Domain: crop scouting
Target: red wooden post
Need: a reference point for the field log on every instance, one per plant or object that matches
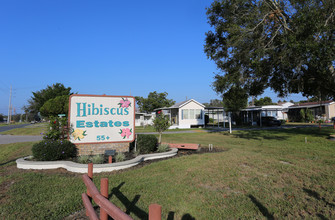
(155, 212)
(90, 170)
(90, 175)
(110, 158)
(104, 193)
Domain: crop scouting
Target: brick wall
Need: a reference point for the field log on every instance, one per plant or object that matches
(93, 149)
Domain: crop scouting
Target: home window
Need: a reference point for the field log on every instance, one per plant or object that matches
(191, 114)
(185, 114)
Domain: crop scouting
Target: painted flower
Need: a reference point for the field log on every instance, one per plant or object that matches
(78, 134)
(124, 103)
(126, 132)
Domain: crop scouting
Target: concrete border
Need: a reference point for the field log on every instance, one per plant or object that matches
(22, 163)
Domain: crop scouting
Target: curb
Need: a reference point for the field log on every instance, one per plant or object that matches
(22, 163)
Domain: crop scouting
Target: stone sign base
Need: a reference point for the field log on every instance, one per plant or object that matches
(94, 149)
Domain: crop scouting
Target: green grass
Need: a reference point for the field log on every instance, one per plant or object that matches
(147, 129)
(261, 174)
(34, 129)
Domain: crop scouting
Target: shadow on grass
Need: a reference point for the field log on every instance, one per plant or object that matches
(316, 195)
(130, 205)
(281, 134)
(9, 161)
(132, 208)
(261, 207)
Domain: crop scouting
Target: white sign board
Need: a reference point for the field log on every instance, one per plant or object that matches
(101, 119)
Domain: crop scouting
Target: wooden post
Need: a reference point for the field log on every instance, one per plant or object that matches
(104, 193)
(155, 212)
(90, 170)
(90, 175)
(110, 159)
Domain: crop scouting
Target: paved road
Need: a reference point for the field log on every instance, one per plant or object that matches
(10, 127)
(8, 139)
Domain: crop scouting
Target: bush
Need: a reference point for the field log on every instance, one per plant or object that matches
(120, 157)
(163, 148)
(53, 150)
(146, 143)
(98, 159)
(83, 159)
(282, 121)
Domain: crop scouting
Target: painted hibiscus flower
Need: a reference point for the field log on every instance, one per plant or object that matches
(78, 134)
(126, 132)
(124, 103)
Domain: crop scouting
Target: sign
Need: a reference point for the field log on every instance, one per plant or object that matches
(101, 119)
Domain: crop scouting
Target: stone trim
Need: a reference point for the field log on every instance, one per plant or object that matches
(22, 163)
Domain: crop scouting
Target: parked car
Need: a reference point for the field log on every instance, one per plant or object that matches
(333, 119)
(269, 121)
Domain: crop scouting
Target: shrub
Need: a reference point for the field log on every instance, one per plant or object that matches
(163, 148)
(54, 150)
(83, 159)
(146, 143)
(120, 157)
(283, 122)
(98, 159)
(57, 129)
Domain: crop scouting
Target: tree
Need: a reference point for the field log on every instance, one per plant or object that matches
(161, 123)
(55, 106)
(214, 103)
(40, 97)
(1, 118)
(234, 100)
(285, 45)
(155, 100)
(264, 101)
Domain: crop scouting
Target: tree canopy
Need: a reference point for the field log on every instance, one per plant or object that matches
(39, 98)
(155, 100)
(287, 45)
(55, 106)
(214, 103)
(263, 101)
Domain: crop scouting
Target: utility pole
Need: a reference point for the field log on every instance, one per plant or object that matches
(9, 106)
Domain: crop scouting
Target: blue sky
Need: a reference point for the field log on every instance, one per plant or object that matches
(106, 47)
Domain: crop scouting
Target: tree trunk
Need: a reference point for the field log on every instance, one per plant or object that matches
(160, 138)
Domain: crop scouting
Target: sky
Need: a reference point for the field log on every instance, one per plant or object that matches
(106, 47)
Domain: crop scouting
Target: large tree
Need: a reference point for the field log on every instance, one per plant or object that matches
(264, 101)
(155, 100)
(39, 98)
(285, 45)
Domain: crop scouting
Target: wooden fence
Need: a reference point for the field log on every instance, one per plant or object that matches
(106, 207)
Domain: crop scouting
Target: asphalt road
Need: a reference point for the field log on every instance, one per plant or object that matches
(10, 127)
(8, 139)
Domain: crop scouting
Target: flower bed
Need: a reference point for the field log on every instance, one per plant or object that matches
(25, 163)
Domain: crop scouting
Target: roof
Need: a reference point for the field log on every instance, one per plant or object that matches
(265, 107)
(181, 104)
(312, 104)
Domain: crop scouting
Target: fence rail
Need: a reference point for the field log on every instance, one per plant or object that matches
(106, 207)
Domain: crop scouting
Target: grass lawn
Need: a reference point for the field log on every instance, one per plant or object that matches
(261, 174)
(140, 129)
(34, 129)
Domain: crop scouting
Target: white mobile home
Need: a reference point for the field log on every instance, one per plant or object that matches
(186, 114)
